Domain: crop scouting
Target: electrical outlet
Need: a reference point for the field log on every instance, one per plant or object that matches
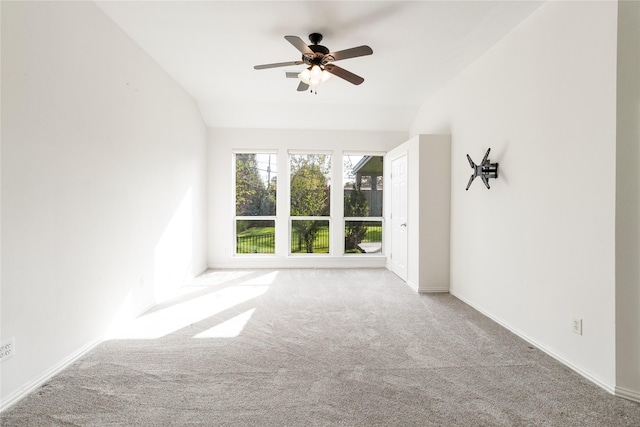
(577, 326)
(7, 349)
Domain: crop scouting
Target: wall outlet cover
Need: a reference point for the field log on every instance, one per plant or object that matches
(577, 326)
(7, 349)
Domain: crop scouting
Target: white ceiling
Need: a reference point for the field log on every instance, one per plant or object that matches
(210, 48)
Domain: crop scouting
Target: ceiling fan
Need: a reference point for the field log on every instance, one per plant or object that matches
(320, 62)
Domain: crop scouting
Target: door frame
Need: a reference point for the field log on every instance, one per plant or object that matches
(389, 159)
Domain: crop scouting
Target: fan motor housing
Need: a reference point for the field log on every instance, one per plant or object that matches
(320, 55)
(319, 49)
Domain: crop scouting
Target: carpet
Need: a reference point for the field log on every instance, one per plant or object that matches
(312, 347)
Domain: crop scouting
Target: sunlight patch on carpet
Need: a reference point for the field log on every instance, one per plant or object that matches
(229, 329)
(163, 322)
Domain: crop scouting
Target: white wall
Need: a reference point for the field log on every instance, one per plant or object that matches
(103, 184)
(628, 202)
(223, 142)
(538, 248)
(428, 210)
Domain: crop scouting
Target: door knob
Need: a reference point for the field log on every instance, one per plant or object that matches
(403, 225)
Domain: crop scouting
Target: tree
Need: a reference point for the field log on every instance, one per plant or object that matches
(255, 194)
(309, 192)
(269, 203)
(249, 185)
(355, 205)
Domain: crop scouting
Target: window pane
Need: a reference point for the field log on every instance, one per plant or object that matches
(362, 186)
(255, 184)
(255, 237)
(309, 236)
(363, 237)
(310, 184)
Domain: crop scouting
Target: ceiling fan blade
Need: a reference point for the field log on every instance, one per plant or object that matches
(343, 74)
(302, 87)
(299, 44)
(277, 64)
(351, 53)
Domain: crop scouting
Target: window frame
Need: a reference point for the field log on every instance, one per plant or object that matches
(346, 219)
(329, 218)
(236, 218)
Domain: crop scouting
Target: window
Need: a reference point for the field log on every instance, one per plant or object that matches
(255, 182)
(362, 176)
(310, 203)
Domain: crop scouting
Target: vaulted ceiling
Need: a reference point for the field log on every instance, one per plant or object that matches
(210, 48)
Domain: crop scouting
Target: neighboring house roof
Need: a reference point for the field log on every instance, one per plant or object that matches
(369, 164)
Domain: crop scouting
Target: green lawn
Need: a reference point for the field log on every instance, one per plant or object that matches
(261, 240)
(256, 231)
(256, 240)
(374, 233)
(320, 244)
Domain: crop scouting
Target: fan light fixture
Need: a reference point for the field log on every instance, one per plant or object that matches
(314, 76)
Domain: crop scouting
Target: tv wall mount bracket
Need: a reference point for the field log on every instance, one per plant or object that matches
(484, 170)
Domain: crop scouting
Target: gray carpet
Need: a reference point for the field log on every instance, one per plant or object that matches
(321, 347)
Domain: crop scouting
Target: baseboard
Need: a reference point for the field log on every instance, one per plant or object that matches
(412, 285)
(420, 290)
(144, 309)
(23, 391)
(301, 261)
(433, 290)
(628, 394)
(609, 388)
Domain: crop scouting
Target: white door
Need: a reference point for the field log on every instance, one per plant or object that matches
(399, 217)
